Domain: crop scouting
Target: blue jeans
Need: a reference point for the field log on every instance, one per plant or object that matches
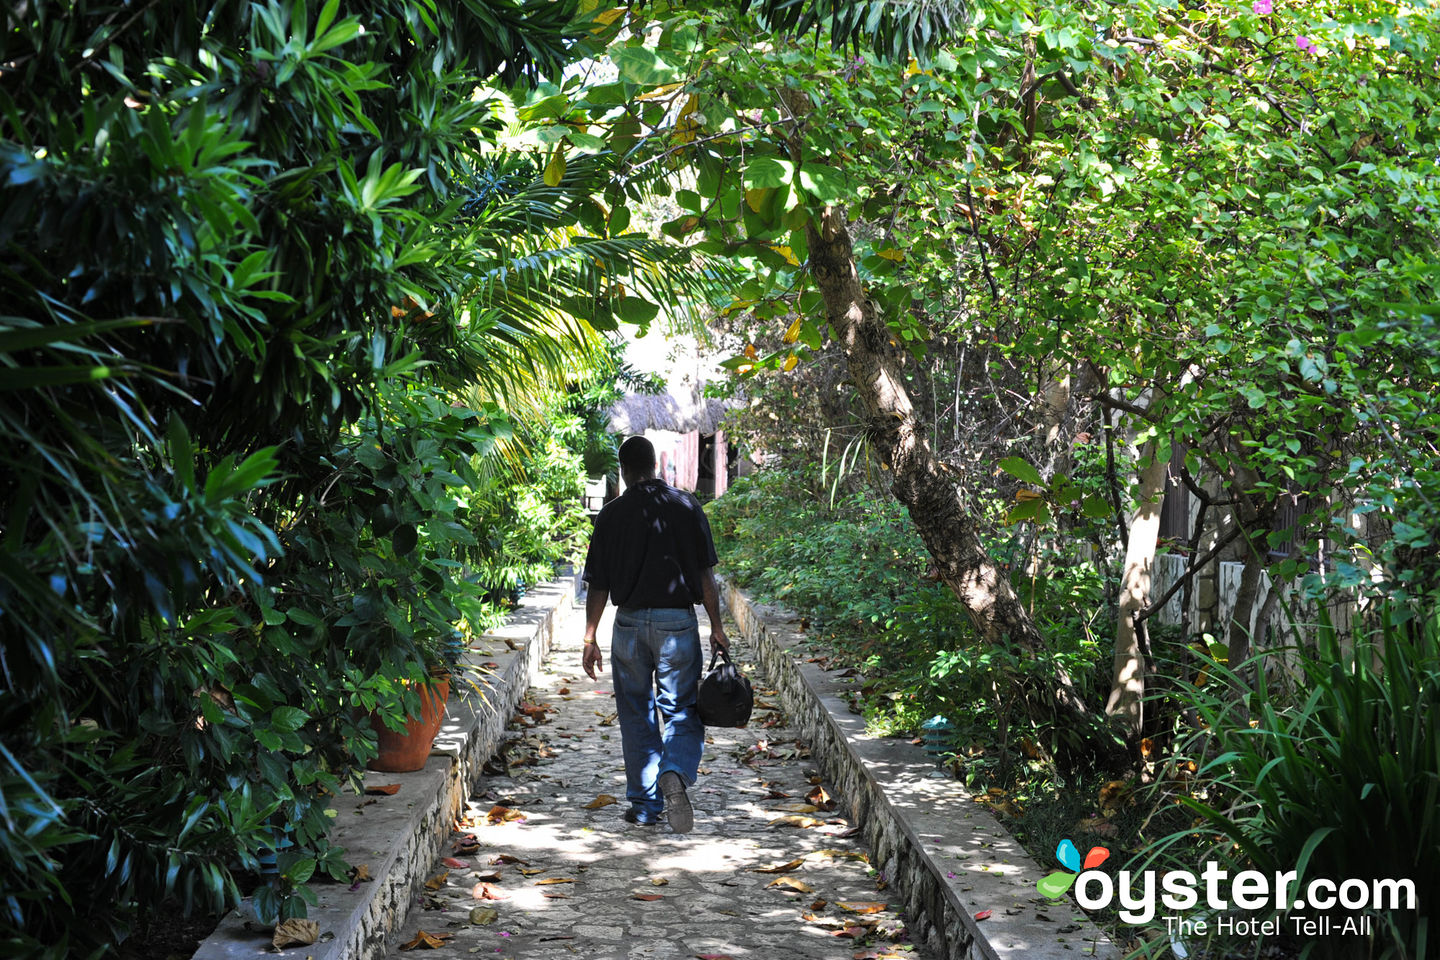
(655, 663)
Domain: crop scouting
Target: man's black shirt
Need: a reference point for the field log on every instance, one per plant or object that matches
(650, 546)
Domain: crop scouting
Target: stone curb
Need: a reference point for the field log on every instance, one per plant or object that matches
(948, 856)
(400, 841)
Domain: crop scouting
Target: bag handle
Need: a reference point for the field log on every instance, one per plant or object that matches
(719, 652)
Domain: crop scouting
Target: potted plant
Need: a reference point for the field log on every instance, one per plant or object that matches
(406, 750)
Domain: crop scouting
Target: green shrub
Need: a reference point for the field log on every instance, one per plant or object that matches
(856, 573)
(1339, 780)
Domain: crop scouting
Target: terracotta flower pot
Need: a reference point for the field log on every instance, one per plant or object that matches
(408, 750)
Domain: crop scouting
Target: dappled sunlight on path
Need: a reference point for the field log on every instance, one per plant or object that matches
(543, 864)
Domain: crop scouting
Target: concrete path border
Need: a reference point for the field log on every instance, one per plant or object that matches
(947, 855)
(399, 841)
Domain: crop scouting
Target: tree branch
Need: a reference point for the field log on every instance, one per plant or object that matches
(1190, 571)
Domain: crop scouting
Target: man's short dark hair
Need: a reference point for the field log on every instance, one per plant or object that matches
(637, 455)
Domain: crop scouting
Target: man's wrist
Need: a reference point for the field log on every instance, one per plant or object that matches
(592, 642)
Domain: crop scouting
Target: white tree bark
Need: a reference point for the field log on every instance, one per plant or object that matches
(1127, 684)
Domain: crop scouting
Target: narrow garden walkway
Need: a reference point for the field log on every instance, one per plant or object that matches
(544, 866)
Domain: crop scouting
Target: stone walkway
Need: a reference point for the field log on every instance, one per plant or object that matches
(543, 865)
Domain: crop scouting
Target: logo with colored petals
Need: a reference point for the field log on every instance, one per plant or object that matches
(1055, 885)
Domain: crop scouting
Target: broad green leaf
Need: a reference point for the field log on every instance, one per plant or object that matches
(1021, 470)
(763, 172)
(642, 65)
(825, 184)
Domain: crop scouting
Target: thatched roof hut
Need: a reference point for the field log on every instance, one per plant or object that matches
(681, 409)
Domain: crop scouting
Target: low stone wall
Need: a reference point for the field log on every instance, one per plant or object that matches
(399, 837)
(946, 855)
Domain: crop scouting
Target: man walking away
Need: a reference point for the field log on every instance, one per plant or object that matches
(652, 553)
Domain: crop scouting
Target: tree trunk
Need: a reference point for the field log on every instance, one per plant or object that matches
(1127, 683)
(920, 481)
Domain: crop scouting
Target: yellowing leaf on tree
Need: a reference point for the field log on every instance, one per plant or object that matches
(787, 253)
(689, 224)
(686, 126)
(604, 800)
(755, 198)
(608, 17)
(751, 352)
(792, 332)
(790, 883)
(891, 253)
(1023, 496)
(555, 169)
(664, 90)
(790, 363)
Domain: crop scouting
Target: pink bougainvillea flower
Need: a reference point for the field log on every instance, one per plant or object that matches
(1304, 43)
(1263, 7)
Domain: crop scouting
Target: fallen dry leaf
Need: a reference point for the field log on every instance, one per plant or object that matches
(853, 933)
(508, 858)
(796, 821)
(499, 814)
(714, 956)
(780, 868)
(295, 932)
(821, 798)
(556, 896)
(455, 862)
(799, 808)
(360, 873)
(604, 800)
(468, 844)
(530, 871)
(430, 941)
(790, 883)
(552, 880)
(386, 789)
(486, 891)
(818, 905)
(984, 914)
(846, 855)
(861, 906)
(647, 897)
(437, 881)
(659, 881)
(879, 953)
(480, 916)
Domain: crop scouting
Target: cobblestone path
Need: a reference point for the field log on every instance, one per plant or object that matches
(543, 866)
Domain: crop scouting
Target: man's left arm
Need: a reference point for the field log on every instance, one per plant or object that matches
(710, 597)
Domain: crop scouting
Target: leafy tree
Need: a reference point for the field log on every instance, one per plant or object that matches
(252, 254)
(1216, 218)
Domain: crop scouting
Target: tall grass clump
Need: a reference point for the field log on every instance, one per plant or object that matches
(1337, 780)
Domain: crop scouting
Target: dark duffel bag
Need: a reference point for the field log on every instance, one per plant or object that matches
(725, 698)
